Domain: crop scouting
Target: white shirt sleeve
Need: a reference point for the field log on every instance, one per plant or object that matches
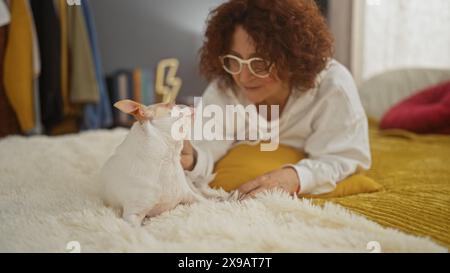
(338, 145)
(209, 151)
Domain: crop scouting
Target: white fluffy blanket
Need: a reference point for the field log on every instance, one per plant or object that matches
(49, 196)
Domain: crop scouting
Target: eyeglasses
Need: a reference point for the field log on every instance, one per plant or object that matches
(257, 66)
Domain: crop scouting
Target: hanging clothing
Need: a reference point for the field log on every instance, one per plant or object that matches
(9, 125)
(69, 108)
(71, 112)
(96, 115)
(38, 129)
(83, 81)
(5, 16)
(36, 49)
(48, 30)
(8, 122)
(62, 12)
(18, 64)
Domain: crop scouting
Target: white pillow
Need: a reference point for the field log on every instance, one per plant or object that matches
(381, 92)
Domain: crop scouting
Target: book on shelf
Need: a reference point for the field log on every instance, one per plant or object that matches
(133, 84)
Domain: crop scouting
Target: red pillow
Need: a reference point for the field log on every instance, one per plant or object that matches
(427, 112)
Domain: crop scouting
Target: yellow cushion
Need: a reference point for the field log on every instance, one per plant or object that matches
(245, 162)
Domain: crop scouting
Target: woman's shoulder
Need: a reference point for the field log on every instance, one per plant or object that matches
(337, 75)
(337, 81)
(335, 78)
(215, 94)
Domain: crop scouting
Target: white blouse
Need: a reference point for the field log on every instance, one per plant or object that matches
(328, 123)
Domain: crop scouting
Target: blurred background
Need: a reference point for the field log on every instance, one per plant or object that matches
(65, 62)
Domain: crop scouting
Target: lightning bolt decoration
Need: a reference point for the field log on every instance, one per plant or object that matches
(167, 84)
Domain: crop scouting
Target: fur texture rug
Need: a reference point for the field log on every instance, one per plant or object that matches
(49, 196)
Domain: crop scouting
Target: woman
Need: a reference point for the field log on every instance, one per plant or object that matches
(266, 52)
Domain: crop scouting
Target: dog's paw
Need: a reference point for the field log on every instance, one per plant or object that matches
(134, 219)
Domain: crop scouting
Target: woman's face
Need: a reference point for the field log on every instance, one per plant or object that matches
(257, 90)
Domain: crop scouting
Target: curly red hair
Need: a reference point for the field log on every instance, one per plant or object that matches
(292, 34)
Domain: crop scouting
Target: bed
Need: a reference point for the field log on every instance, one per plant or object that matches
(415, 173)
(49, 202)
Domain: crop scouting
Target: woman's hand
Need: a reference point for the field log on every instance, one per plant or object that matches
(188, 156)
(285, 179)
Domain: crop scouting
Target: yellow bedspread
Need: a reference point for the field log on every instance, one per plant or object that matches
(415, 172)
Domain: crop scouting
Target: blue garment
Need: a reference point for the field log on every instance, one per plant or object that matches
(96, 115)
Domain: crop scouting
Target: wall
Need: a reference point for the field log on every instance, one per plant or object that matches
(340, 23)
(139, 33)
(405, 33)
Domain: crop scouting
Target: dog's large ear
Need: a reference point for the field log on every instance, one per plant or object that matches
(132, 108)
